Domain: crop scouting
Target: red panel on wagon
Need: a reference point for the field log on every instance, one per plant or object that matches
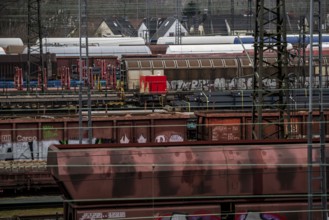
(153, 84)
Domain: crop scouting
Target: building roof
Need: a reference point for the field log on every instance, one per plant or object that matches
(153, 24)
(121, 26)
(163, 29)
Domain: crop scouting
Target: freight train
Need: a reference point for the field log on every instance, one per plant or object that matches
(24, 141)
(183, 72)
(120, 66)
(28, 138)
(154, 79)
(192, 81)
(198, 180)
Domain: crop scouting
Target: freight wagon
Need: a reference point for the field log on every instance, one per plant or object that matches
(9, 64)
(29, 138)
(216, 72)
(5, 42)
(237, 125)
(208, 180)
(2, 51)
(209, 49)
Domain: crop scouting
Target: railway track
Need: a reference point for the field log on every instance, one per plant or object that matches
(36, 217)
(55, 102)
(68, 103)
(26, 177)
(34, 207)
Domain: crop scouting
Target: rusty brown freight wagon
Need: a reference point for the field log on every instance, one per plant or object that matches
(242, 180)
(237, 125)
(30, 137)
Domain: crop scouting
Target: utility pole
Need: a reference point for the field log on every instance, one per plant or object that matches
(148, 32)
(178, 35)
(301, 73)
(250, 14)
(317, 175)
(273, 39)
(232, 17)
(35, 65)
(209, 16)
(84, 69)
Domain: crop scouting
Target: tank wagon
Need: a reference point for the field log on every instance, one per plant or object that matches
(244, 180)
(208, 49)
(5, 42)
(93, 41)
(2, 51)
(95, 51)
(195, 40)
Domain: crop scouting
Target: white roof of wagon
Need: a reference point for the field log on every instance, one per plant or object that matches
(74, 51)
(5, 42)
(96, 41)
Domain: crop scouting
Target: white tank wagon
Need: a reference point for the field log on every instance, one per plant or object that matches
(211, 49)
(94, 41)
(5, 42)
(198, 40)
(2, 51)
(119, 51)
(199, 49)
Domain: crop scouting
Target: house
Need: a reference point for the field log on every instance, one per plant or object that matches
(148, 27)
(168, 29)
(115, 26)
(213, 24)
